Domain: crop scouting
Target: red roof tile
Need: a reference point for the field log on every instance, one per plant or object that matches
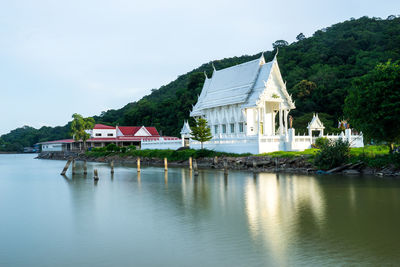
(128, 130)
(102, 126)
(152, 131)
(132, 130)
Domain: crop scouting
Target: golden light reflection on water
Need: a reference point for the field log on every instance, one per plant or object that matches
(274, 207)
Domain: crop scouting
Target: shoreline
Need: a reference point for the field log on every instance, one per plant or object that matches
(295, 165)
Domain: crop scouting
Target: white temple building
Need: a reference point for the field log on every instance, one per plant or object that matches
(247, 108)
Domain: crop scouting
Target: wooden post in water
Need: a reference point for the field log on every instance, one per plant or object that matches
(196, 171)
(190, 163)
(165, 164)
(112, 166)
(84, 167)
(138, 164)
(73, 166)
(66, 167)
(225, 166)
(96, 175)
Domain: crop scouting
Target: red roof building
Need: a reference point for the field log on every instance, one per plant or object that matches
(101, 135)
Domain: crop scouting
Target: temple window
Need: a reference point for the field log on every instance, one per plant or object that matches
(232, 127)
(241, 127)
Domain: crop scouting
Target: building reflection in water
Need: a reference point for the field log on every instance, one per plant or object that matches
(274, 206)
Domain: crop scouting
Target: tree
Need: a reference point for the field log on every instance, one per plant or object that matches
(331, 58)
(303, 89)
(373, 103)
(300, 37)
(78, 126)
(279, 43)
(201, 132)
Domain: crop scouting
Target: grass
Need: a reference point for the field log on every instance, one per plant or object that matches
(375, 156)
(291, 154)
(369, 151)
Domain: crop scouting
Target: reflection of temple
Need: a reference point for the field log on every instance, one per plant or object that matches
(274, 208)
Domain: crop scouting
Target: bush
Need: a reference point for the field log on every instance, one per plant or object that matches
(333, 155)
(112, 148)
(204, 153)
(130, 148)
(98, 149)
(321, 142)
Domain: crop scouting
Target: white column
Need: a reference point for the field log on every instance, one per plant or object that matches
(258, 121)
(280, 120)
(286, 120)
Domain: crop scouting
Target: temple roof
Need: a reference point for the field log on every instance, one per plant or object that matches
(315, 123)
(186, 128)
(240, 84)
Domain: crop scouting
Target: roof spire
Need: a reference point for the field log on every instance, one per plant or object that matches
(262, 59)
(276, 54)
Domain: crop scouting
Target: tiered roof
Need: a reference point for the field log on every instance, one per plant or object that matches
(241, 84)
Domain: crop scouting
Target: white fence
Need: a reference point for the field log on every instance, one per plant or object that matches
(240, 144)
(253, 144)
(161, 144)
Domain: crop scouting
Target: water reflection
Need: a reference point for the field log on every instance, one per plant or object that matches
(242, 219)
(274, 208)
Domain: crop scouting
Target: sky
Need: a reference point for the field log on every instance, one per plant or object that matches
(87, 56)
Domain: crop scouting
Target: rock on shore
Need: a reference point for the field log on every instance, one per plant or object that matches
(301, 164)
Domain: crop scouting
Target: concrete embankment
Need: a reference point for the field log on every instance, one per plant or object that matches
(300, 164)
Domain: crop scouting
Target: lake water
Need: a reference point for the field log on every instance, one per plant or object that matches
(179, 220)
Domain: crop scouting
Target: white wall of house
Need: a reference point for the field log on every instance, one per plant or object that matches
(104, 133)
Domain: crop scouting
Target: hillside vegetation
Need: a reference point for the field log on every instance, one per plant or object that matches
(319, 71)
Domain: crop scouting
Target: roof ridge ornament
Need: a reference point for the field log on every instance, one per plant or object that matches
(276, 54)
(262, 58)
(212, 63)
(205, 74)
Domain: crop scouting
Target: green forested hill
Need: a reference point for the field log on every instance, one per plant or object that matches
(319, 71)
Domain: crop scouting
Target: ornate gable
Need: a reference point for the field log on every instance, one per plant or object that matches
(316, 123)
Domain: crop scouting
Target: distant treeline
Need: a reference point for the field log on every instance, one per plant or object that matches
(319, 71)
